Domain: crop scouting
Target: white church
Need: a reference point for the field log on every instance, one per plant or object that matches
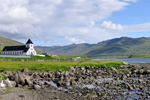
(27, 49)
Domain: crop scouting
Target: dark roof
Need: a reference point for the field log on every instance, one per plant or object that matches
(15, 48)
(29, 42)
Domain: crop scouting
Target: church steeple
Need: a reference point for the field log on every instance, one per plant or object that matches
(29, 42)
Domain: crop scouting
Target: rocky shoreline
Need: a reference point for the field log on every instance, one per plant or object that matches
(86, 83)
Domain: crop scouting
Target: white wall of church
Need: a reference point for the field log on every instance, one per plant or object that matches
(31, 51)
(12, 52)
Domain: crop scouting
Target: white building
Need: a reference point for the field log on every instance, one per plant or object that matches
(27, 49)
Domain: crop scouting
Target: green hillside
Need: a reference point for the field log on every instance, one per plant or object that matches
(121, 46)
(69, 50)
(117, 46)
(8, 42)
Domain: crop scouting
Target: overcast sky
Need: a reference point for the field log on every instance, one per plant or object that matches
(63, 22)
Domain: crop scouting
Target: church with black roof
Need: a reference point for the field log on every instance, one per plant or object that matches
(27, 49)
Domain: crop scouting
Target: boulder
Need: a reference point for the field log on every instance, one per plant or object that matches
(20, 78)
(37, 87)
(13, 83)
(8, 73)
(8, 83)
(141, 71)
(25, 70)
(28, 81)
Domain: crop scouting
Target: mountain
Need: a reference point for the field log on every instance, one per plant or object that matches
(116, 46)
(122, 46)
(8, 42)
(69, 50)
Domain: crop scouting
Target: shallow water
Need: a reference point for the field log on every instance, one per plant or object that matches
(129, 94)
(130, 60)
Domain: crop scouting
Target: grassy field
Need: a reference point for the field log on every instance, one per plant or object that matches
(53, 66)
(47, 58)
(140, 56)
(33, 58)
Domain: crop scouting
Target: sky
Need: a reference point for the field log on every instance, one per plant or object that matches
(63, 22)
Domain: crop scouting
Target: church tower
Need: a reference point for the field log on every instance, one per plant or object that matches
(29, 44)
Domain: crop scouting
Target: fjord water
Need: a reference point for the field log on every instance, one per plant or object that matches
(130, 60)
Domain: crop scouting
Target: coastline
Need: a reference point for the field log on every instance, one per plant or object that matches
(88, 83)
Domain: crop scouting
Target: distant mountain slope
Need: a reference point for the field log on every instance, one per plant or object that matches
(117, 46)
(70, 50)
(123, 45)
(8, 42)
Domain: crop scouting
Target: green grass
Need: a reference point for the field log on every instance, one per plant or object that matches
(139, 56)
(33, 58)
(4, 77)
(53, 66)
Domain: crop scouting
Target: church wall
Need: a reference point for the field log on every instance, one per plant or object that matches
(31, 51)
(12, 52)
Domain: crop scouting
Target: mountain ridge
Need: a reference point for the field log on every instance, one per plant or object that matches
(116, 46)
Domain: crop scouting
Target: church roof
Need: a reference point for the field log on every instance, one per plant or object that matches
(16, 48)
(29, 42)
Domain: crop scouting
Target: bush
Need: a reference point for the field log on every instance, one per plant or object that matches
(4, 77)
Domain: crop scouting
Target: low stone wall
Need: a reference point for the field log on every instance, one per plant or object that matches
(16, 56)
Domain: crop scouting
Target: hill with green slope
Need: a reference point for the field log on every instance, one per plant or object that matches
(8, 42)
(117, 46)
(123, 45)
(69, 50)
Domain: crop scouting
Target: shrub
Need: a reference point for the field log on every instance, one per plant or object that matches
(4, 77)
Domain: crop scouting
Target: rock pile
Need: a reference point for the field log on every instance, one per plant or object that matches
(87, 82)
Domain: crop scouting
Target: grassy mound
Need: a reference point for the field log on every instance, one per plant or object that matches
(53, 66)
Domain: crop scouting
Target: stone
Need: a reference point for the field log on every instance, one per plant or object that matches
(8, 73)
(72, 83)
(2, 85)
(20, 78)
(13, 83)
(130, 87)
(12, 77)
(28, 81)
(50, 75)
(25, 70)
(47, 83)
(8, 83)
(113, 69)
(37, 87)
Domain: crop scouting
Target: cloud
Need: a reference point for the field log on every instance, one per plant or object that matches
(131, 0)
(74, 40)
(137, 28)
(111, 26)
(74, 21)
